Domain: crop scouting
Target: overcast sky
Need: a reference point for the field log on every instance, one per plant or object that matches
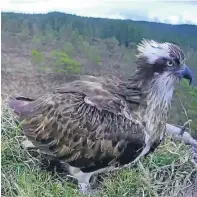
(160, 11)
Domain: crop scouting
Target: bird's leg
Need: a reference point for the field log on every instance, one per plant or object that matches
(84, 178)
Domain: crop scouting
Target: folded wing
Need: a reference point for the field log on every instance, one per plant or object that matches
(83, 123)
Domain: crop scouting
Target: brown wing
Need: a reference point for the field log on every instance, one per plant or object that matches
(82, 123)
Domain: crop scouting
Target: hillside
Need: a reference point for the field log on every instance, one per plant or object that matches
(123, 30)
(41, 51)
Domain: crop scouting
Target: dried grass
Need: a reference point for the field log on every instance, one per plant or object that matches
(167, 172)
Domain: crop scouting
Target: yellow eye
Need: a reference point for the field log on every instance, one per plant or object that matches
(169, 63)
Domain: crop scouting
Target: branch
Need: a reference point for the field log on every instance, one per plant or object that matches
(184, 110)
(180, 134)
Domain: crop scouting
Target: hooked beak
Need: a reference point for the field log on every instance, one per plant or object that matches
(186, 73)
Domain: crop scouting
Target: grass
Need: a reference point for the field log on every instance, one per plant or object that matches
(167, 172)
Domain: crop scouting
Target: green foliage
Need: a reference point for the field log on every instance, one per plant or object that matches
(39, 60)
(63, 63)
(91, 52)
(192, 63)
(186, 105)
(37, 56)
(163, 159)
(60, 62)
(188, 96)
(68, 48)
(36, 39)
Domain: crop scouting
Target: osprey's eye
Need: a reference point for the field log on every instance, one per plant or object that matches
(169, 63)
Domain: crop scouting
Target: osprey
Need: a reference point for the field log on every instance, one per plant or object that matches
(99, 123)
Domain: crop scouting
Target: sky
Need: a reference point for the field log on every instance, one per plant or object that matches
(172, 12)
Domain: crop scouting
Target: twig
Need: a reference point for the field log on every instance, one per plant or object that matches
(184, 111)
(178, 133)
(184, 127)
(183, 108)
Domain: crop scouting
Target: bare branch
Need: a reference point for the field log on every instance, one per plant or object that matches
(183, 108)
(179, 134)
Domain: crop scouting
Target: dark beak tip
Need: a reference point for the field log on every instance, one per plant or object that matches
(187, 74)
(190, 81)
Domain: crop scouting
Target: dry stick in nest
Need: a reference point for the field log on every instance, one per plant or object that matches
(184, 111)
(179, 133)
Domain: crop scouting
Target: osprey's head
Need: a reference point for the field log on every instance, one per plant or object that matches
(162, 60)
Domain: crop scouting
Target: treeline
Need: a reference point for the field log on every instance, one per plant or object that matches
(125, 31)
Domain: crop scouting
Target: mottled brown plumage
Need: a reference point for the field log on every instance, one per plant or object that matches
(101, 121)
(84, 122)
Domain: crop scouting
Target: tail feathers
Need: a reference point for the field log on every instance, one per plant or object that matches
(19, 103)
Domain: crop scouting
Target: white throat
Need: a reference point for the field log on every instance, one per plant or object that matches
(158, 102)
(161, 91)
